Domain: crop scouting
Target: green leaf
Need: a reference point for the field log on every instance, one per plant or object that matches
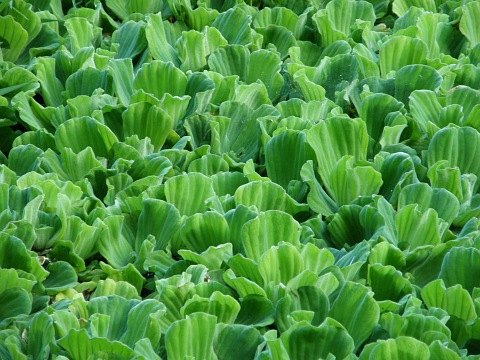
(457, 145)
(400, 7)
(442, 201)
(158, 78)
(234, 25)
(470, 12)
(70, 166)
(82, 33)
(345, 227)
(15, 36)
(243, 286)
(131, 39)
(285, 155)
(261, 65)
(318, 200)
(200, 231)
(307, 298)
(121, 71)
(466, 275)
(280, 264)
(414, 51)
(194, 47)
(455, 300)
(357, 311)
(418, 229)
(80, 346)
(212, 258)
(183, 192)
(113, 245)
(10, 279)
(41, 334)
(349, 182)
(280, 37)
(24, 158)
(16, 301)
(158, 44)
(13, 253)
(398, 170)
(255, 311)
(374, 109)
(267, 230)
(89, 132)
(414, 325)
(425, 77)
(143, 323)
(147, 120)
(160, 219)
(334, 138)
(403, 347)
(62, 277)
(265, 195)
(388, 283)
(209, 165)
(120, 288)
(192, 337)
(236, 342)
(307, 341)
(224, 307)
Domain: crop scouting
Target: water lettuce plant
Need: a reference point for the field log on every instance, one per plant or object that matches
(239, 179)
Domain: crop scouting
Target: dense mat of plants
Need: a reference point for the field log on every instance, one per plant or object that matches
(239, 179)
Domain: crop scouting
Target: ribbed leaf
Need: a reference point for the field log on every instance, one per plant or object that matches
(15, 301)
(224, 307)
(334, 138)
(88, 132)
(344, 13)
(280, 264)
(349, 182)
(308, 342)
(414, 51)
(442, 201)
(41, 335)
(146, 120)
(466, 275)
(200, 231)
(255, 311)
(285, 155)
(400, 7)
(80, 346)
(188, 192)
(82, 33)
(236, 342)
(400, 348)
(62, 277)
(388, 283)
(267, 196)
(192, 337)
(131, 40)
(454, 300)
(357, 311)
(468, 22)
(414, 325)
(158, 78)
(460, 146)
(418, 229)
(234, 25)
(15, 35)
(267, 230)
(159, 219)
(157, 40)
(415, 77)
